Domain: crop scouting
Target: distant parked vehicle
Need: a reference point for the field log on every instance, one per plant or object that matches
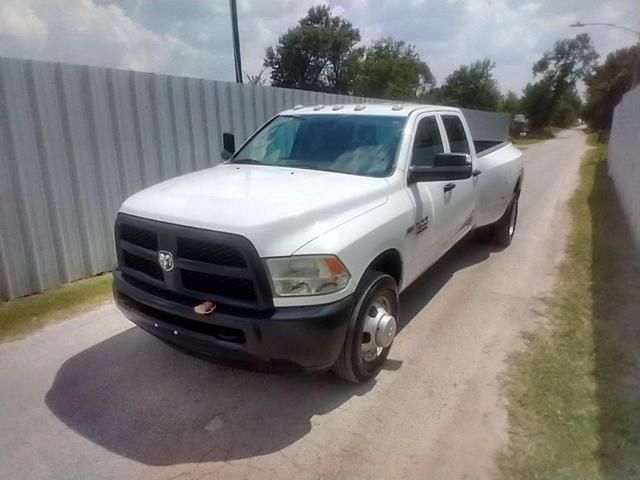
(296, 248)
(519, 126)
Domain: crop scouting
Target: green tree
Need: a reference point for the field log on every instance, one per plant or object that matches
(392, 69)
(432, 95)
(534, 103)
(472, 86)
(559, 70)
(511, 103)
(567, 110)
(605, 88)
(318, 54)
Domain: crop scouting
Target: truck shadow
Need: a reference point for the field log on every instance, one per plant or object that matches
(142, 399)
(139, 398)
(466, 253)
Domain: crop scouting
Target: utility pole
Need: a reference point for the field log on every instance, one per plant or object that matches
(636, 67)
(236, 40)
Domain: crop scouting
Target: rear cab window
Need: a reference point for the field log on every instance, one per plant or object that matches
(458, 141)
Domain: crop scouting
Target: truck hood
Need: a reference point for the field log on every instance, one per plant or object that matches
(279, 209)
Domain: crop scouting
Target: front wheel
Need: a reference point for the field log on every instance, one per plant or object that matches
(371, 330)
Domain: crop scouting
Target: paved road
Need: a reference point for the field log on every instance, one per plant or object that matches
(94, 398)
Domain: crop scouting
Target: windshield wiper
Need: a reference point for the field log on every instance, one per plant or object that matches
(247, 161)
(251, 161)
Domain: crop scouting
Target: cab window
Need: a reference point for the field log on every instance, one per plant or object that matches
(428, 142)
(458, 142)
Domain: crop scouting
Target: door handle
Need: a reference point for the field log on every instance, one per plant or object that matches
(476, 172)
(449, 186)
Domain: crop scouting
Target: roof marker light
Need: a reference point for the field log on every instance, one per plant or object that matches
(298, 107)
(397, 107)
(318, 107)
(359, 107)
(337, 107)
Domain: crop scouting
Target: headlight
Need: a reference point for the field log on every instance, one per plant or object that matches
(307, 275)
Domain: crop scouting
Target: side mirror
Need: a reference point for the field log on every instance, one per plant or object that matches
(446, 166)
(228, 145)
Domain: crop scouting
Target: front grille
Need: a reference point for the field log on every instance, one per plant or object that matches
(203, 251)
(217, 285)
(143, 265)
(139, 236)
(215, 266)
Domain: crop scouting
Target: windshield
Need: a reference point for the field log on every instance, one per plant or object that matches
(355, 144)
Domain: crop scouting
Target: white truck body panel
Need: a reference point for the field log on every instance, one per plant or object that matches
(495, 189)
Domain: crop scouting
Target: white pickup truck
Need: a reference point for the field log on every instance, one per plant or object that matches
(295, 249)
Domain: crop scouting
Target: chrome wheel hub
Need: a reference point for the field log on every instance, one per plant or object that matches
(379, 330)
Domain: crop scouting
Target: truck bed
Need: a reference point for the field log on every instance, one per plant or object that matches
(483, 147)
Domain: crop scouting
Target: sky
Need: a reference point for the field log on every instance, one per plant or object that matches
(193, 37)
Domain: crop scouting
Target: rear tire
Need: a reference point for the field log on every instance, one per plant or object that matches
(371, 330)
(485, 234)
(502, 231)
(505, 228)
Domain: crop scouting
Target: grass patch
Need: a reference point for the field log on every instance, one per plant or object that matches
(574, 392)
(23, 315)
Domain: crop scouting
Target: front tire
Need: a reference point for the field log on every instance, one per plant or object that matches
(371, 330)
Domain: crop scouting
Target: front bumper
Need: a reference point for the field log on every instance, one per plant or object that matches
(308, 337)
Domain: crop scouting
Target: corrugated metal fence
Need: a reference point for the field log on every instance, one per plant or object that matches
(624, 157)
(75, 141)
